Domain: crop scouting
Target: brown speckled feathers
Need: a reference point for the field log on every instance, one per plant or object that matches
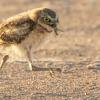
(14, 31)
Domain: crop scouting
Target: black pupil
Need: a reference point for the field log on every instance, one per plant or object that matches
(47, 19)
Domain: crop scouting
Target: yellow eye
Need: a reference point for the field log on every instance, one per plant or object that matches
(46, 19)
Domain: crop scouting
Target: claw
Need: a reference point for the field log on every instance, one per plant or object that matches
(5, 58)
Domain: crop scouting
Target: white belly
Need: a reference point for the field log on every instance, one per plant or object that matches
(34, 40)
(18, 51)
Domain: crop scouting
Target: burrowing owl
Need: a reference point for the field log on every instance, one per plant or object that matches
(26, 31)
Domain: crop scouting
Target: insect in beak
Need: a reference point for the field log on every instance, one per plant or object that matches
(56, 30)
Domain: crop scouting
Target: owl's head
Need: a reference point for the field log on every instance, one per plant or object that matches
(48, 20)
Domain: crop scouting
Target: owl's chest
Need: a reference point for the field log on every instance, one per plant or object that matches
(34, 39)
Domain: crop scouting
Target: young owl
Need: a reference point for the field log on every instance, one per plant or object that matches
(24, 32)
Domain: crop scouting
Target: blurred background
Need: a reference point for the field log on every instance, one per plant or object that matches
(76, 51)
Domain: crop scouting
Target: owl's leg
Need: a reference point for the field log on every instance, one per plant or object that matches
(29, 59)
(33, 67)
(4, 60)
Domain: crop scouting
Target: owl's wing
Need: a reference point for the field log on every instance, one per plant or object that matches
(15, 31)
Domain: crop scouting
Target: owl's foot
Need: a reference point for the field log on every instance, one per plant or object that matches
(4, 60)
(32, 67)
(51, 72)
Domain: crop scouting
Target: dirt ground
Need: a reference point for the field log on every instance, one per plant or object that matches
(76, 51)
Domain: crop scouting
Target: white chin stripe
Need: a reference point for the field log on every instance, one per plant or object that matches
(46, 27)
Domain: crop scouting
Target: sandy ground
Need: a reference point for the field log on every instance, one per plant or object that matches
(76, 51)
